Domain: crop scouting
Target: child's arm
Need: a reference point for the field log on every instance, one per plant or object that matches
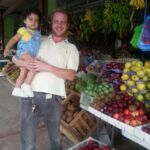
(11, 42)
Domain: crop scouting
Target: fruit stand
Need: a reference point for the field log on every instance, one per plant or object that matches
(127, 110)
(103, 90)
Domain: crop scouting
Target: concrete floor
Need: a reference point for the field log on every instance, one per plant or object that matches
(9, 122)
(9, 125)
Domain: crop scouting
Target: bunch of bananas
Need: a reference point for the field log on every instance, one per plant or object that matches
(137, 4)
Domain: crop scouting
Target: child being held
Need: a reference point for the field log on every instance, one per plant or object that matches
(28, 38)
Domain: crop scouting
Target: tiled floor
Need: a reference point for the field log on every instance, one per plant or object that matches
(9, 126)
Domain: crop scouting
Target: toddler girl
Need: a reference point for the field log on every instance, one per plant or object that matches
(28, 38)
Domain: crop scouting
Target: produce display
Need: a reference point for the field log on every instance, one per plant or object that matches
(92, 85)
(91, 144)
(125, 109)
(136, 76)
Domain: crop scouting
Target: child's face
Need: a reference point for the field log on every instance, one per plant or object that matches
(32, 21)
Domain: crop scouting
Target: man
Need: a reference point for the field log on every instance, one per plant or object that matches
(58, 61)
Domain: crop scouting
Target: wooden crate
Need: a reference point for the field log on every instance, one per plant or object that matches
(77, 122)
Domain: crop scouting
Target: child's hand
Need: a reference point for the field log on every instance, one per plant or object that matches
(5, 52)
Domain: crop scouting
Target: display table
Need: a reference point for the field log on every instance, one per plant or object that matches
(133, 133)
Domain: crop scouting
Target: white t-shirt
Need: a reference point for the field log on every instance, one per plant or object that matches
(62, 55)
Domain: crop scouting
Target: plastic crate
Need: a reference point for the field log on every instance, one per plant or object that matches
(85, 142)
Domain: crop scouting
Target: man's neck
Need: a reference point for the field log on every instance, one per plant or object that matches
(57, 38)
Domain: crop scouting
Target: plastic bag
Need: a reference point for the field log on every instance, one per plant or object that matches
(144, 40)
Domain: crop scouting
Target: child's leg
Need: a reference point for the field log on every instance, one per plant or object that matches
(30, 75)
(21, 78)
(17, 90)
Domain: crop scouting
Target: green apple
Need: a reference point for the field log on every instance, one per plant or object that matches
(145, 78)
(134, 90)
(134, 77)
(140, 73)
(127, 64)
(140, 86)
(148, 85)
(130, 83)
(147, 96)
(140, 97)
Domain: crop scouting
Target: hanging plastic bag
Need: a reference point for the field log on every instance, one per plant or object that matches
(144, 40)
(135, 39)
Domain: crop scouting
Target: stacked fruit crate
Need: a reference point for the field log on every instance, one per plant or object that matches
(76, 123)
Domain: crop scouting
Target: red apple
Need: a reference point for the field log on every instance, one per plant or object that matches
(126, 111)
(116, 115)
(133, 123)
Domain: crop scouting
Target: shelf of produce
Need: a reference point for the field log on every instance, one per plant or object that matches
(133, 133)
(90, 142)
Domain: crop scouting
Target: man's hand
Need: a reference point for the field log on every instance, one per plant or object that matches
(38, 65)
(24, 64)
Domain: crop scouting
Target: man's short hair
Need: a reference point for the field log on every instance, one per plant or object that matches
(63, 11)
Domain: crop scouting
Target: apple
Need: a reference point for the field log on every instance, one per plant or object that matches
(140, 97)
(127, 121)
(116, 116)
(133, 122)
(126, 111)
(140, 73)
(141, 112)
(127, 64)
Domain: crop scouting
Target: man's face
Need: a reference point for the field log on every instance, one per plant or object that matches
(59, 24)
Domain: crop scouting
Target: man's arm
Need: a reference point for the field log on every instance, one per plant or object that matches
(22, 63)
(39, 65)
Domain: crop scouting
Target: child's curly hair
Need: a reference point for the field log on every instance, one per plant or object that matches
(31, 10)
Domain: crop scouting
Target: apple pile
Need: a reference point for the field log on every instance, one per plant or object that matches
(136, 75)
(94, 145)
(116, 66)
(112, 73)
(125, 109)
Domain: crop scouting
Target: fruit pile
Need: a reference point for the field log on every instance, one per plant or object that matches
(125, 109)
(136, 75)
(112, 74)
(101, 100)
(91, 85)
(95, 67)
(137, 4)
(94, 145)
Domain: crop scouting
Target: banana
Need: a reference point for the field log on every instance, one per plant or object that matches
(137, 4)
